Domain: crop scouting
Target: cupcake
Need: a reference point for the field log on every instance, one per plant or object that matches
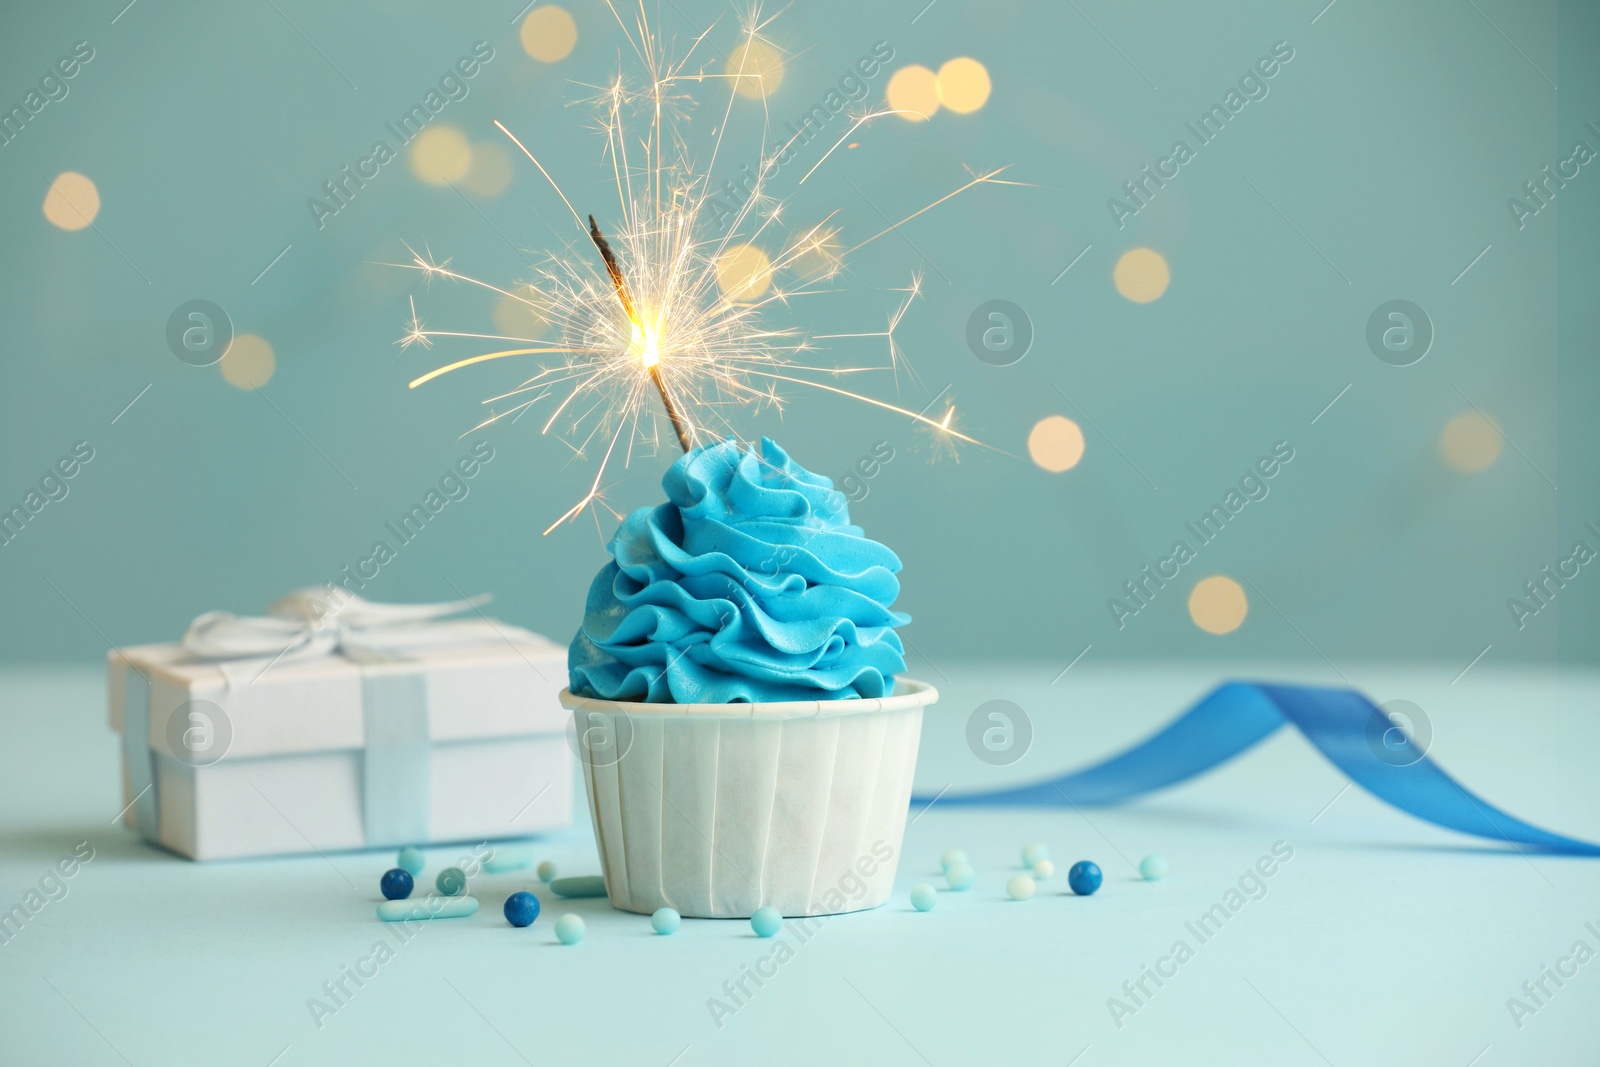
(745, 741)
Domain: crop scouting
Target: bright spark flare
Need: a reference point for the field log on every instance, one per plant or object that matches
(647, 315)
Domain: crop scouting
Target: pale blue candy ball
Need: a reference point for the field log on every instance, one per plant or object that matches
(766, 921)
(665, 921)
(1033, 853)
(452, 882)
(960, 877)
(546, 872)
(411, 860)
(569, 929)
(1153, 868)
(1020, 888)
(923, 898)
(951, 857)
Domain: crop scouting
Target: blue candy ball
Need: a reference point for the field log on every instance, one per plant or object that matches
(396, 884)
(521, 909)
(923, 897)
(452, 881)
(411, 860)
(1084, 878)
(766, 921)
(665, 921)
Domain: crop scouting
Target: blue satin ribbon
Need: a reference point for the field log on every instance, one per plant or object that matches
(397, 762)
(1341, 723)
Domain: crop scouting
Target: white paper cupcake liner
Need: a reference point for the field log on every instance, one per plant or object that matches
(719, 809)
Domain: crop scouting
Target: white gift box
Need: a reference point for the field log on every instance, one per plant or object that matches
(404, 740)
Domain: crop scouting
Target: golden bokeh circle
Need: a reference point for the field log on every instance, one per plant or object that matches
(549, 34)
(72, 202)
(1141, 275)
(914, 91)
(1056, 443)
(744, 272)
(1470, 442)
(248, 363)
(963, 85)
(517, 316)
(1218, 604)
(488, 170)
(440, 155)
(756, 69)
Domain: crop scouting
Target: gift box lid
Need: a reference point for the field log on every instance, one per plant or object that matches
(493, 680)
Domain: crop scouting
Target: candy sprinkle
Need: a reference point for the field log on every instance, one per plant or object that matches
(429, 907)
(1084, 878)
(960, 877)
(396, 884)
(521, 909)
(589, 885)
(766, 921)
(569, 929)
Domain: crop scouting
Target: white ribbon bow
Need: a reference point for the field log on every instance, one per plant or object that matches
(322, 620)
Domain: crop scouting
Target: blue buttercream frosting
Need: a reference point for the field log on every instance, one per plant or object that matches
(749, 585)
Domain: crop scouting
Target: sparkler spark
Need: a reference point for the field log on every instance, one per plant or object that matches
(666, 317)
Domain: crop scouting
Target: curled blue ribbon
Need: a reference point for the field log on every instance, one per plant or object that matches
(1341, 723)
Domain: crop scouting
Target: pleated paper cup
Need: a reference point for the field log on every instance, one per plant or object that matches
(719, 809)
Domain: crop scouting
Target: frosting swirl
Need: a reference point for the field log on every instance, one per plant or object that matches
(749, 585)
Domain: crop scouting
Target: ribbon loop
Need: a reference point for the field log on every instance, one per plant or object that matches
(321, 620)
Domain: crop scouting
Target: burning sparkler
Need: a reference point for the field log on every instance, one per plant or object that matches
(663, 318)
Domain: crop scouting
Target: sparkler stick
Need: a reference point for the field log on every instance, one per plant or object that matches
(645, 338)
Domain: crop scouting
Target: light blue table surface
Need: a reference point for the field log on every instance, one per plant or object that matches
(1382, 941)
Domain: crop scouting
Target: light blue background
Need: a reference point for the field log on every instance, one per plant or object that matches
(1392, 141)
